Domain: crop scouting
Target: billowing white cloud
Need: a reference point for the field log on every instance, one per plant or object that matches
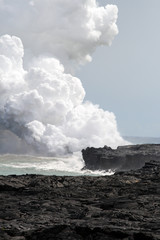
(41, 103)
(68, 30)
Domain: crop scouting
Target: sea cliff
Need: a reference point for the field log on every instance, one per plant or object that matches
(124, 158)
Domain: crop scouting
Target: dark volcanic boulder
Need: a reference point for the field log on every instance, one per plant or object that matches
(121, 159)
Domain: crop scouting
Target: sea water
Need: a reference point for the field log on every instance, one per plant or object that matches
(64, 166)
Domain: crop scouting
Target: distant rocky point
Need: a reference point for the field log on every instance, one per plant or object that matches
(124, 158)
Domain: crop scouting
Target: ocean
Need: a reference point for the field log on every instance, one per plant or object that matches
(70, 165)
(25, 164)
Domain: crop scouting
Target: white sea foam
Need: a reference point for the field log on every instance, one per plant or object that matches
(23, 164)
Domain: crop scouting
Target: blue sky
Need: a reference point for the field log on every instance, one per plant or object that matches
(125, 78)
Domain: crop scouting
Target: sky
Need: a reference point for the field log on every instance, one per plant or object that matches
(41, 101)
(124, 78)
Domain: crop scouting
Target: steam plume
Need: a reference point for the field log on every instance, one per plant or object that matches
(42, 103)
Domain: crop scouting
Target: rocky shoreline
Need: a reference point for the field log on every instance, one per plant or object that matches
(124, 206)
(124, 158)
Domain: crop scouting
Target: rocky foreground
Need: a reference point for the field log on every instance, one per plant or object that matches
(122, 206)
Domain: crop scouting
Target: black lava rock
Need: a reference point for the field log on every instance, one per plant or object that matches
(123, 158)
(122, 206)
